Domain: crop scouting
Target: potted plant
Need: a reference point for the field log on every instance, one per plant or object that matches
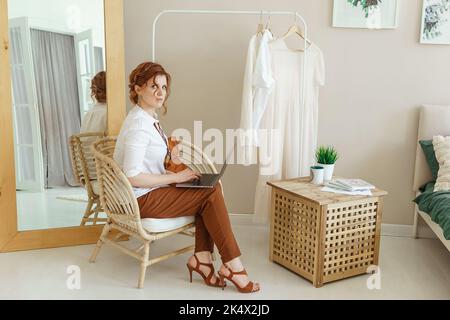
(327, 157)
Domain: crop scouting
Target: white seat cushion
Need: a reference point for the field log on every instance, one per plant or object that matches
(156, 225)
(163, 225)
(95, 187)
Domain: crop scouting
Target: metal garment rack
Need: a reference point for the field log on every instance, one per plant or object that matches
(260, 13)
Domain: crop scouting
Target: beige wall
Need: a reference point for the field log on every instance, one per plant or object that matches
(376, 80)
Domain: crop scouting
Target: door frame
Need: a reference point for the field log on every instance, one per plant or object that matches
(36, 185)
(85, 35)
(10, 238)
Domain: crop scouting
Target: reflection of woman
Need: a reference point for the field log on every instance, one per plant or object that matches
(95, 119)
(141, 151)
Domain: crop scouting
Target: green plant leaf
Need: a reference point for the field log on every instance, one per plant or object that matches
(326, 155)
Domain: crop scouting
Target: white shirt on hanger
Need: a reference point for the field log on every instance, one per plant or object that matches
(258, 84)
(140, 147)
(262, 81)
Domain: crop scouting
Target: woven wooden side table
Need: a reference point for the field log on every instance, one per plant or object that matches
(324, 236)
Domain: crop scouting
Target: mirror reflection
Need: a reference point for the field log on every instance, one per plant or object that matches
(57, 62)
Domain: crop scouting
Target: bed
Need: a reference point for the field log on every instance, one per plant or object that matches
(434, 120)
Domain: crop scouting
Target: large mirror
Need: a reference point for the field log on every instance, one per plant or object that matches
(57, 47)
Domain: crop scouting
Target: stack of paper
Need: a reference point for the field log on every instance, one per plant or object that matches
(349, 186)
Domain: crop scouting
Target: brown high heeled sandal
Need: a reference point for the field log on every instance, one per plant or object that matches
(249, 288)
(208, 278)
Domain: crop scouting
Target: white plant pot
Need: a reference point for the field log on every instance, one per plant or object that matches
(328, 171)
(317, 175)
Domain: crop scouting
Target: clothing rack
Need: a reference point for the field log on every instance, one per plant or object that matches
(261, 12)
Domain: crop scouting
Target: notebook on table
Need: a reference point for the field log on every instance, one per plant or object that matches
(351, 184)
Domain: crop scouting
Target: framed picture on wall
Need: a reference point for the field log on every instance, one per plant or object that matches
(370, 14)
(435, 27)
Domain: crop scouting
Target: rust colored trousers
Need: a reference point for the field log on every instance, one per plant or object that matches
(212, 222)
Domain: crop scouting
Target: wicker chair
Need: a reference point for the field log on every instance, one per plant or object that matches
(83, 165)
(121, 207)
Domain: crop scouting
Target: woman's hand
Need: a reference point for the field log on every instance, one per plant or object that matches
(186, 176)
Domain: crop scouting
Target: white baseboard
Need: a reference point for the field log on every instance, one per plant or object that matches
(396, 230)
(406, 231)
(399, 230)
(242, 219)
(387, 230)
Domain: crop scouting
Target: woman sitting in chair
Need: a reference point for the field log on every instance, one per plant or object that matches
(96, 118)
(142, 150)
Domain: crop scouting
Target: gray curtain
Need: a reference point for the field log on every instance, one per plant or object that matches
(55, 72)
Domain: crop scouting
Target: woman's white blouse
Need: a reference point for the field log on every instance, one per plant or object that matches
(95, 119)
(140, 148)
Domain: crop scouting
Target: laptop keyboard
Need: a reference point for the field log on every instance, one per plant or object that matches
(206, 179)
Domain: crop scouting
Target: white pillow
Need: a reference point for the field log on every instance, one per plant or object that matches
(442, 150)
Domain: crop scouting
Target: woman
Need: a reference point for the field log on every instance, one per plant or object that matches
(95, 119)
(141, 151)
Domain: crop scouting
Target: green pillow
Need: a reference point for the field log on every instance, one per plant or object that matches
(428, 150)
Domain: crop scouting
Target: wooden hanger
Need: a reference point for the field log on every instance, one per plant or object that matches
(260, 25)
(294, 29)
(268, 26)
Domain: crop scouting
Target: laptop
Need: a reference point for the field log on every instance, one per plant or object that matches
(207, 180)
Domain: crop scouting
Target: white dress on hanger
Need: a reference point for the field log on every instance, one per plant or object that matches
(258, 84)
(289, 149)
